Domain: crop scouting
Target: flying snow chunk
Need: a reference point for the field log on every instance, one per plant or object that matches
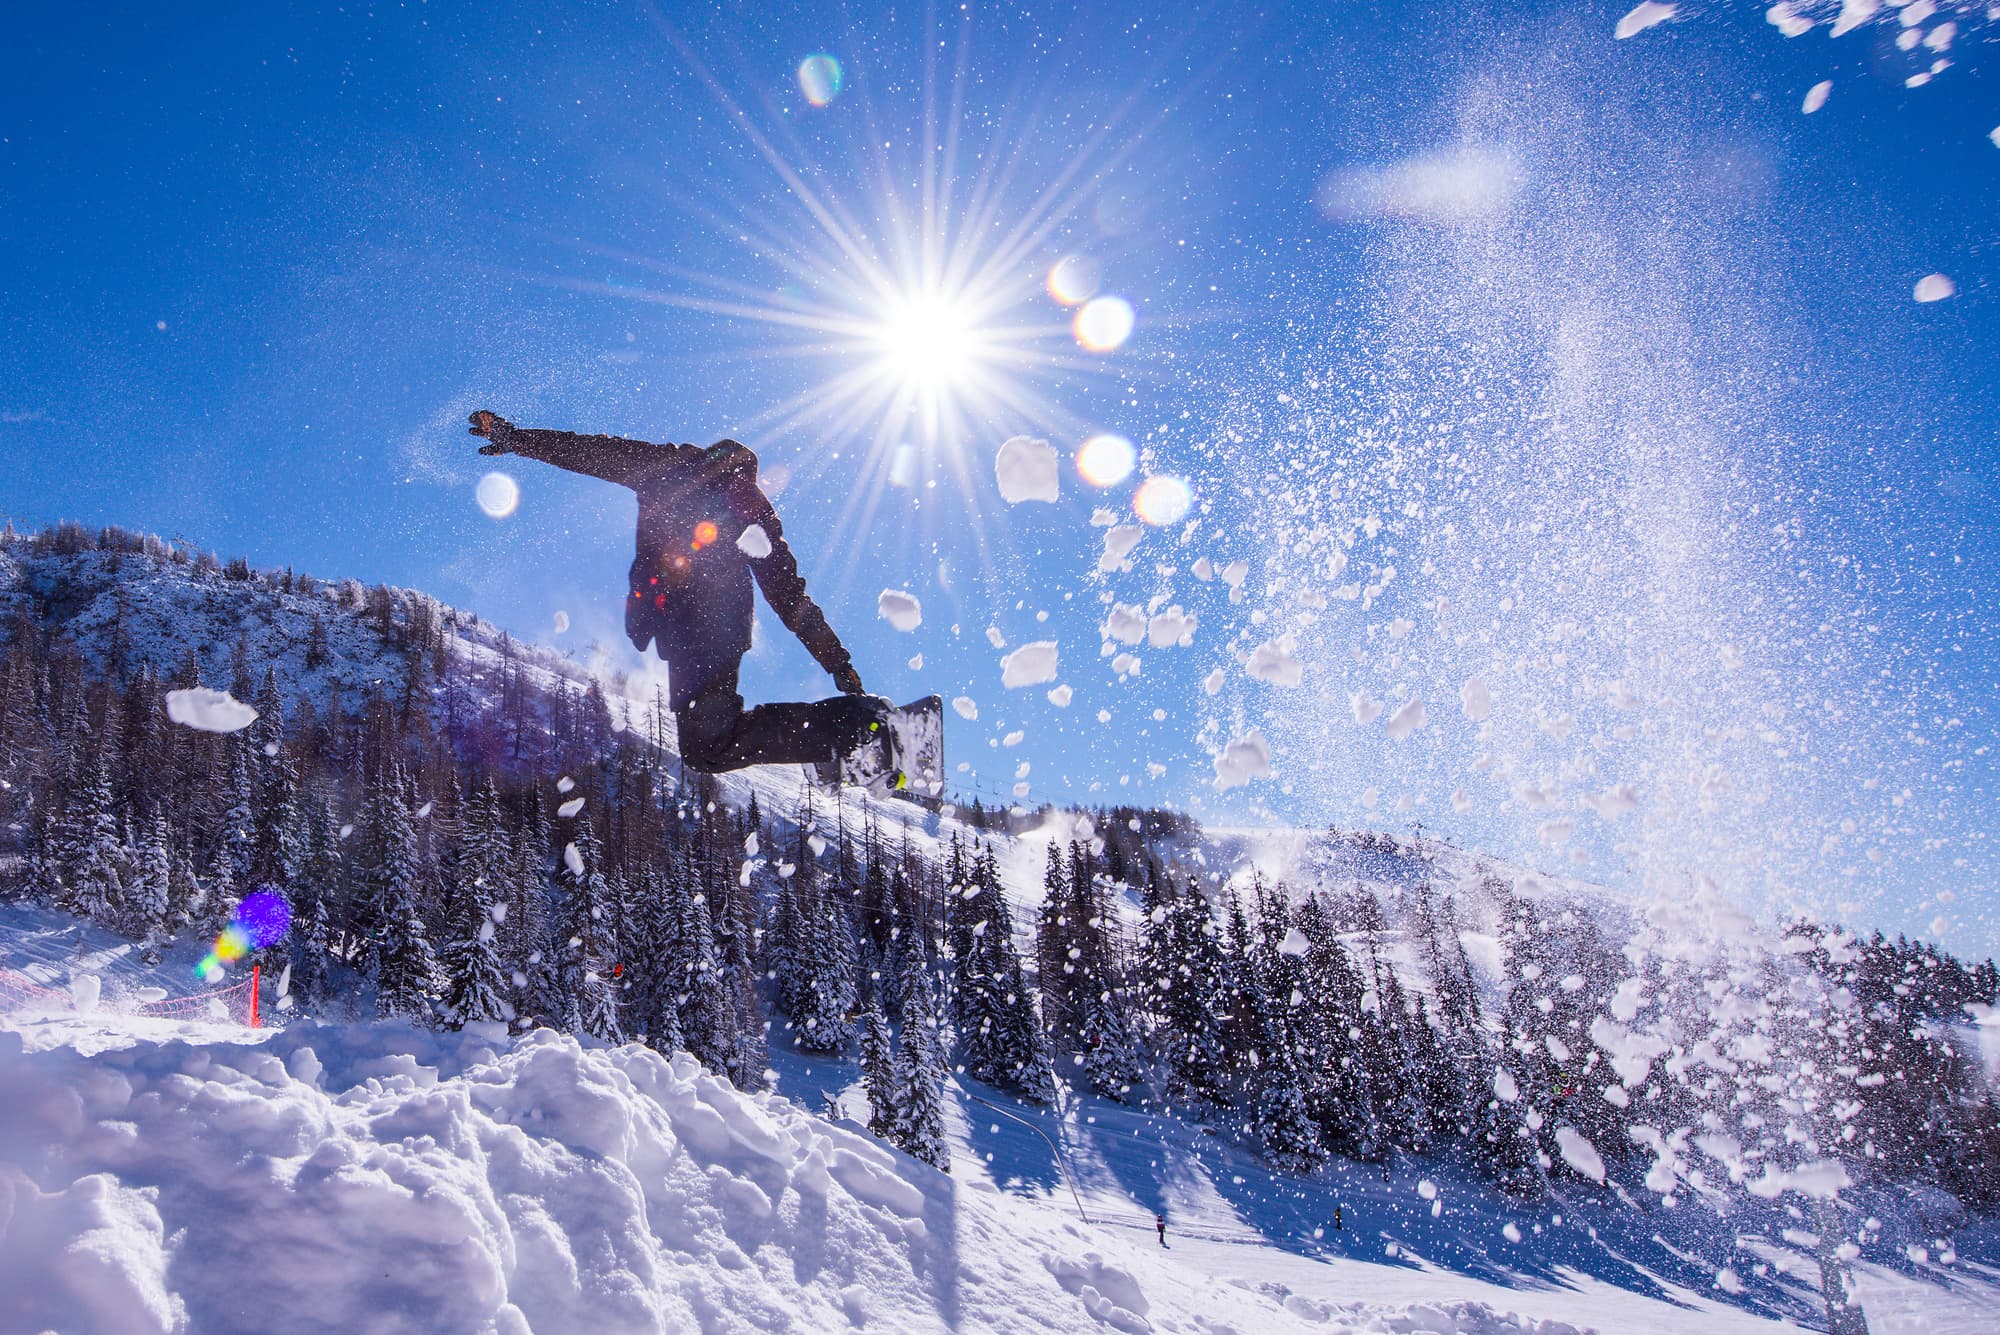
(1935, 287)
(1620, 799)
(1246, 758)
(1642, 17)
(1784, 16)
(1273, 661)
(1461, 801)
(562, 621)
(754, 542)
(1295, 943)
(1504, 1086)
(899, 609)
(1579, 1153)
(1366, 708)
(572, 859)
(1172, 627)
(1060, 696)
(1816, 96)
(966, 706)
(210, 711)
(1475, 699)
(1118, 544)
(1126, 624)
(1027, 470)
(1407, 718)
(1212, 683)
(569, 809)
(1030, 665)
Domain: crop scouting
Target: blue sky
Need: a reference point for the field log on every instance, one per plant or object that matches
(1604, 346)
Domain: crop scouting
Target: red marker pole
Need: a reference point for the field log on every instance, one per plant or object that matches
(253, 995)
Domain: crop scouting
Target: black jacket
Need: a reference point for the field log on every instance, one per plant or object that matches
(690, 581)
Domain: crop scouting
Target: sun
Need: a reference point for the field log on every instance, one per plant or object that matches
(928, 342)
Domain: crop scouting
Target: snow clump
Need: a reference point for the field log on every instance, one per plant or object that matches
(1027, 470)
(1816, 96)
(1247, 757)
(1935, 287)
(754, 542)
(1579, 1153)
(900, 609)
(1273, 661)
(1408, 717)
(1119, 540)
(1030, 665)
(1642, 17)
(208, 710)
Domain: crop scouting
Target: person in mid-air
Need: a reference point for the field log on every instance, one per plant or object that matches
(705, 527)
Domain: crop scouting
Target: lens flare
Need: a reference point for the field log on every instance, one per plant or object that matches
(820, 78)
(498, 495)
(1074, 279)
(1162, 500)
(261, 920)
(1105, 460)
(1103, 325)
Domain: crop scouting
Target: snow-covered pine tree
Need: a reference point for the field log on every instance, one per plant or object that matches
(587, 949)
(878, 1072)
(149, 881)
(309, 943)
(529, 951)
(920, 1076)
(399, 947)
(1192, 997)
(474, 986)
(824, 970)
(707, 1022)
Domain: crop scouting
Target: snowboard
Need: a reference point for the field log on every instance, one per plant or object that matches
(905, 753)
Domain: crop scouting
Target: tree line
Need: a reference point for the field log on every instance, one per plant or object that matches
(477, 841)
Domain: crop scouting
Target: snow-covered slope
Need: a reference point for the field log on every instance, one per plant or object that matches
(376, 1178)
(159, 1175)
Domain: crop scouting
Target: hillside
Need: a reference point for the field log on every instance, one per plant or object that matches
(1486, 1087)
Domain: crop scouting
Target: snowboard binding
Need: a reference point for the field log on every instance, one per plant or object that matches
(902, 753)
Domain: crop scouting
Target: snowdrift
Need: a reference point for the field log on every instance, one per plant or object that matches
(381, 1178)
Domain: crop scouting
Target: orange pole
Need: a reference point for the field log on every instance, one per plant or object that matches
(253, 995)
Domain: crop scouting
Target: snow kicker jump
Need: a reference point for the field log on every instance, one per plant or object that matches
(705, 528)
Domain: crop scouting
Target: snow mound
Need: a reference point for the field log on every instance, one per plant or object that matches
(380, 1177)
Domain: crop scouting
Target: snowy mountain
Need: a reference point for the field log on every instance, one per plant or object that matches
(1492, 1092)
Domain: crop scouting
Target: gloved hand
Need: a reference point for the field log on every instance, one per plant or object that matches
(495, 428)
(849, 681)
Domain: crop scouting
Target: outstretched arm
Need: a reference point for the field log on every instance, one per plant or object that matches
(778, 571)
(612, 458)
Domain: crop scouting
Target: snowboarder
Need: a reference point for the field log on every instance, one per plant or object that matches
(1160, 1222)
(705, 527)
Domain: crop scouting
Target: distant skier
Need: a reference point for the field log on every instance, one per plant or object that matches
(705, 527)
(1160, 1222)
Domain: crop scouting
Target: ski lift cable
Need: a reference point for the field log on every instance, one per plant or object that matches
(1062, 1161)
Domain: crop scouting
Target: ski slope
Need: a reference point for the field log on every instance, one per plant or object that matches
(162, 1175)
